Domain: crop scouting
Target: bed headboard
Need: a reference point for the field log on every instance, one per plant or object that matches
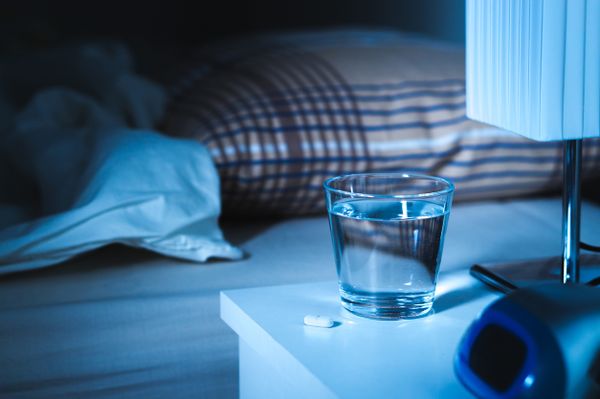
(195, 21)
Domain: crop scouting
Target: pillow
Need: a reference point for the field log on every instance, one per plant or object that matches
(280, 114)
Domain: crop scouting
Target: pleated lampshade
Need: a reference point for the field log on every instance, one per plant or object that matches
(533, 66)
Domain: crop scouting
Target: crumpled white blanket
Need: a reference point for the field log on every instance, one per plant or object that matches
(81, 167)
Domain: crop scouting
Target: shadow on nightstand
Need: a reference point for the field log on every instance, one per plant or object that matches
(458, 297)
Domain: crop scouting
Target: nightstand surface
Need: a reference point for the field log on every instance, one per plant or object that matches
(281, 357)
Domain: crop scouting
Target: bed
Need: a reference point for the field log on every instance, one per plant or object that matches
(123, 322)
(126, 324)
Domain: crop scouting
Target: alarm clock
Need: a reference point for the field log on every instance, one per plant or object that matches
(537, 342)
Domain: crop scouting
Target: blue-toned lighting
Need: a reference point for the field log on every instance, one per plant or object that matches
(529, 380)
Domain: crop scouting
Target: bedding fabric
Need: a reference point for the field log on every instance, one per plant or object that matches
(84, 169)
(125, 324)
(281, 113)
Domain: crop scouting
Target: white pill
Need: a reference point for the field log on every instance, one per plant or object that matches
(318, 321)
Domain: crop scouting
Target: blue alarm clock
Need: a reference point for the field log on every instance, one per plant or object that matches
(536, 342)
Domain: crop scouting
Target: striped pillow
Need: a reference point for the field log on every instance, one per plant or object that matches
(280, 114)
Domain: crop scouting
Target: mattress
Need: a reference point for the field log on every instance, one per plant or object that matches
(129, 324)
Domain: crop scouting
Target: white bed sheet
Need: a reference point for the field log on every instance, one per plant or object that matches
(128, 324)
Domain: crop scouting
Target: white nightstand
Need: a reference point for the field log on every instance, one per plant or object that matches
(358, 358)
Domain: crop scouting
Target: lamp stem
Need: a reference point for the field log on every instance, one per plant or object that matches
(571, 210)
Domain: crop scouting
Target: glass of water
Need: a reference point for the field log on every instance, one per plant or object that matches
(388, 233)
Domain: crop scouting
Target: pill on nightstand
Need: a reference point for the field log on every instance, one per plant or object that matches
(318, 321)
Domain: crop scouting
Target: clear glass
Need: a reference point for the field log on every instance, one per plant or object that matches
(388, 234)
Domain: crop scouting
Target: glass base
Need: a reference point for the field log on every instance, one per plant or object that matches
(388, 306)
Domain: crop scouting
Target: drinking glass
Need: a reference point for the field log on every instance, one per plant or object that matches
(388, 233)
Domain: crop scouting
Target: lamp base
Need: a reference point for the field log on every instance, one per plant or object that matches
(507, 276)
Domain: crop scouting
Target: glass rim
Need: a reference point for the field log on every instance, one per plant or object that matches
(447, 190)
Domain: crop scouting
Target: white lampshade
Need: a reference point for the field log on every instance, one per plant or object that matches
(533, 66)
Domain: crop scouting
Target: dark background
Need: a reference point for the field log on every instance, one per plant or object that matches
(38, 23)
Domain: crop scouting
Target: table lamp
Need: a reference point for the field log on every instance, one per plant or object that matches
(533, 67)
